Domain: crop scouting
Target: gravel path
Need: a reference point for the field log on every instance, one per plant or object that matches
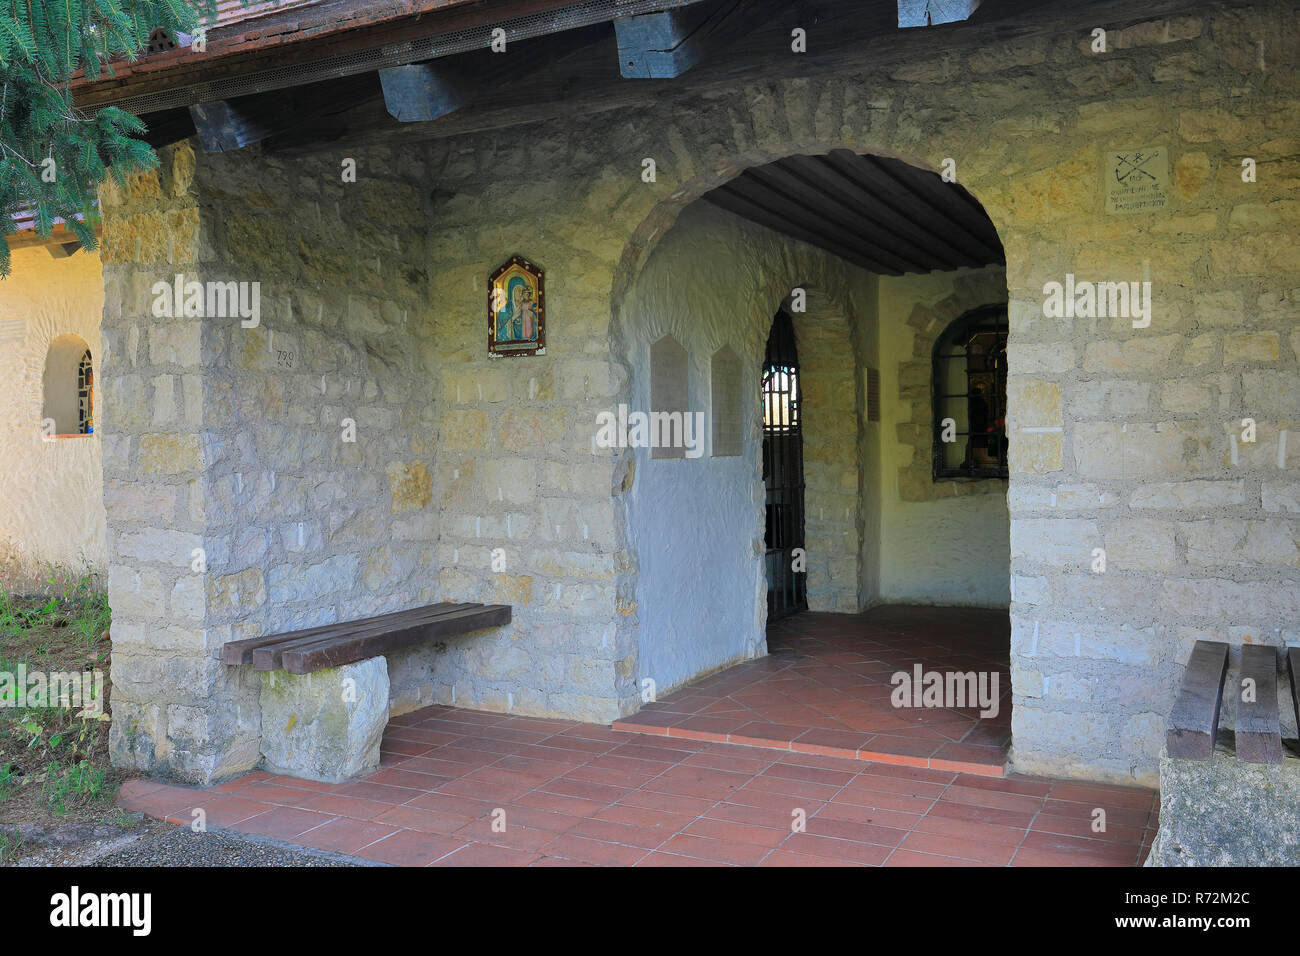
(180, 846)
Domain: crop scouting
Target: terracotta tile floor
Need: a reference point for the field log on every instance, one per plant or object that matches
(575, 794)
(824, 688)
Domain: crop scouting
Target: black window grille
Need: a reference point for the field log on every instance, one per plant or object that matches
(787, 588)
(969, 396)
(85, 396)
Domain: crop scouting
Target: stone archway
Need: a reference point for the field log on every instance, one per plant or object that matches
(660, 289)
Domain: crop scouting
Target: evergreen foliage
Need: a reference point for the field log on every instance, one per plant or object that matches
(52, 155)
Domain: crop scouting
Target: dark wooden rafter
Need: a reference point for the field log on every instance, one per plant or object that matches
(746, 208)
(1258, 729)
(817, 176)
(836, 198)
(872, 211)
(422, 92)
(844, 36)
(929, 198)
(663, 45)
(61, 250)
(784, 211)
(1194, 720)
(233, 124)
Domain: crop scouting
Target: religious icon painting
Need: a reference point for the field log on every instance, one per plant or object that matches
(516, 309)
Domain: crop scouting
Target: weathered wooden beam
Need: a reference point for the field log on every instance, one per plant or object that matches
(924, 13)
(1259, 731)
(338, 651)
(270, 657)
(1293, 671)
(663, 45)
(1194, 721)
(225, 125)
(421, 92)
(237, 653)
(61, 250)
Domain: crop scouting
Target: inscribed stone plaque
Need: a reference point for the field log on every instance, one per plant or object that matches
(724, 376)
(668, 386)
(1137, 180)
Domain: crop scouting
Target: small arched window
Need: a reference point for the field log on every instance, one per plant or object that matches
(69, 387)
(969, 396)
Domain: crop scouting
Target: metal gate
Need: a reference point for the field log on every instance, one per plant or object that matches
(787, 588)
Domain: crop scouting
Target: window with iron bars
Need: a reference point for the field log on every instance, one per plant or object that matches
(969, 396)
(85, 396)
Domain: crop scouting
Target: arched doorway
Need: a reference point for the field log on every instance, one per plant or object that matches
(827, 277)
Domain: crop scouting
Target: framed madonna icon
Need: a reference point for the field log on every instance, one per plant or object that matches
(516, 309)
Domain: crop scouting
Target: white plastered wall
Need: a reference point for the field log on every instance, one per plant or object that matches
(950, 550)
(51, 492)
(696, 525)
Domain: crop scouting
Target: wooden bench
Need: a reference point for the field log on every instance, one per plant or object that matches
(308, 728)
(1194, 722)
(1243, 808)
(332, 645)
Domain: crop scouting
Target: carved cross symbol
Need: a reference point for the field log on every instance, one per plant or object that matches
(1131, 166)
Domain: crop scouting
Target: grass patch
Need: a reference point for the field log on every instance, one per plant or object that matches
(54, 764)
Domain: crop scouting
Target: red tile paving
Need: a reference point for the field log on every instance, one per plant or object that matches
(578, 794)
(824, 688)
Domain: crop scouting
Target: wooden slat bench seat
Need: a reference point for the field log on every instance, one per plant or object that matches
(1259, 729)
(1194, 722)
(1293, 671)
(332, 645)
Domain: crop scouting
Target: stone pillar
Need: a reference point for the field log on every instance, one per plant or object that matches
(176, 709)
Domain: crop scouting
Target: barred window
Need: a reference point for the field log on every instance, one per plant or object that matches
(69, 388)
(85, 395)
(969, 396)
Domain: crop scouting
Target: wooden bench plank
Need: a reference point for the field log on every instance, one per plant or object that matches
(1259, 732)
(333, 652)
(237, 653)
(1293, 671)
(1194, 721)
(269, 657)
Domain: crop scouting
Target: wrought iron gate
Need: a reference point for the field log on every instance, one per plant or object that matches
(787, 588)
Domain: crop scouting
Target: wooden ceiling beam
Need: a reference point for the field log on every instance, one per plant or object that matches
(975, 225)
(233, 124)
(664, 45)
(756, 213)
(816, 222)
(855, 204)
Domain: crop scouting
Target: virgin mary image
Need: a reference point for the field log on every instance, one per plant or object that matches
(517, 322)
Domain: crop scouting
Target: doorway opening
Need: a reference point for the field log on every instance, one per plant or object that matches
(783, 477)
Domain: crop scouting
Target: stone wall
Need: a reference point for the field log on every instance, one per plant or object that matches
(51, 492)
(943, 542)
(1130, 442)
(1029, 124)
(264, 472)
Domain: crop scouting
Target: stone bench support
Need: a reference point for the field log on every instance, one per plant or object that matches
(326, 725)
(1227, 812)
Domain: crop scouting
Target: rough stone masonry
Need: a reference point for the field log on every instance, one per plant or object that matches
(224, 444)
